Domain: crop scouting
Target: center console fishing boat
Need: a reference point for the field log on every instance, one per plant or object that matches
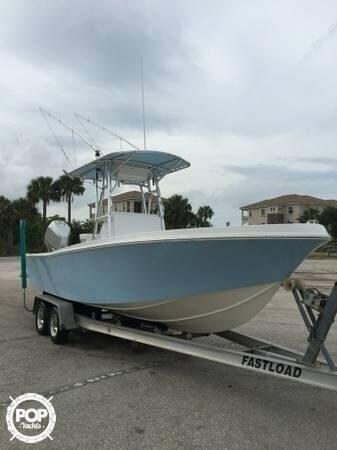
(134, 280)
(198, 280)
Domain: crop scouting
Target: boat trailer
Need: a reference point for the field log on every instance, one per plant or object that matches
(56, 317)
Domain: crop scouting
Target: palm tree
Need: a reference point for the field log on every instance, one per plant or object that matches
(67, 187)
(25, 209)
(178, 212)
(42, 188)
(203, 215)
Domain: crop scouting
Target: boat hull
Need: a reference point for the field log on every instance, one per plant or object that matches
(206, 313)
(207, 282)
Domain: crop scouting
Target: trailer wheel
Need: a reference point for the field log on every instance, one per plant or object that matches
(58, 334)
(41, 319)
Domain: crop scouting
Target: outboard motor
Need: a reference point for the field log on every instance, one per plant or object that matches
(57, 235)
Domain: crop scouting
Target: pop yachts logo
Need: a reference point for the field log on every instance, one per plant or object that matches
(31, 418)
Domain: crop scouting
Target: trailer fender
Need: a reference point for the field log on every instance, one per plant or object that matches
(65, 310)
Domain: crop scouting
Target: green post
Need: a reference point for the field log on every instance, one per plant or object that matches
(23, 227)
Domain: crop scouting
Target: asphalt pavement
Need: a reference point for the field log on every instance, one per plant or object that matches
(110, 394)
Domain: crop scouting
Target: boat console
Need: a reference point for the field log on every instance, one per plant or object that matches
(130, 223)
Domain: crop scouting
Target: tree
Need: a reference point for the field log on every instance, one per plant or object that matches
(78, 228)
(328, 218)
(203, 215)
(310, 214)
(67, 187)
(24, 209)
(10, 214)
(7, 220)
(35, 226)
(178, 212)
(42, 188)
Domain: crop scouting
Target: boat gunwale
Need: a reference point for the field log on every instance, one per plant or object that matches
(95, 244)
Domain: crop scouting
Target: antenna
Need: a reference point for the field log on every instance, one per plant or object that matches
(72, 129)
(102, 128)
(142, 79)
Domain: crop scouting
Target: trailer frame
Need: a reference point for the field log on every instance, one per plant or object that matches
(317, 310)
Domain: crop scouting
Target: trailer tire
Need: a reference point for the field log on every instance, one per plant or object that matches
(42, 319)
(58, 334)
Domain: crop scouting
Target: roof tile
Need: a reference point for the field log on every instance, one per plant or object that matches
(291, 199)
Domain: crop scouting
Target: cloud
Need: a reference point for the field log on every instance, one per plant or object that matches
(261, 181)
(226, 86)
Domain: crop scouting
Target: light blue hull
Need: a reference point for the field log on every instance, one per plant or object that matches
(158, 271)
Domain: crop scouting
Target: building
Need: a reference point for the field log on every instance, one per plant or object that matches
(283, 209)
(128, 202)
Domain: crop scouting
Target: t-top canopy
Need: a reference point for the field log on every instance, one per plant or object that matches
(132, 166)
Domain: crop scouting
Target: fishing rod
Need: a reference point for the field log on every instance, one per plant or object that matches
(72, 129)
(107, 130)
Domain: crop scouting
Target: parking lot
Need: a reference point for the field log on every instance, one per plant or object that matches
(107, 393)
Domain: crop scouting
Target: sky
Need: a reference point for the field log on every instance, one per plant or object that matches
(244, 90)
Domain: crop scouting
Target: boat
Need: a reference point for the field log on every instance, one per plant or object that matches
(196, 280)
